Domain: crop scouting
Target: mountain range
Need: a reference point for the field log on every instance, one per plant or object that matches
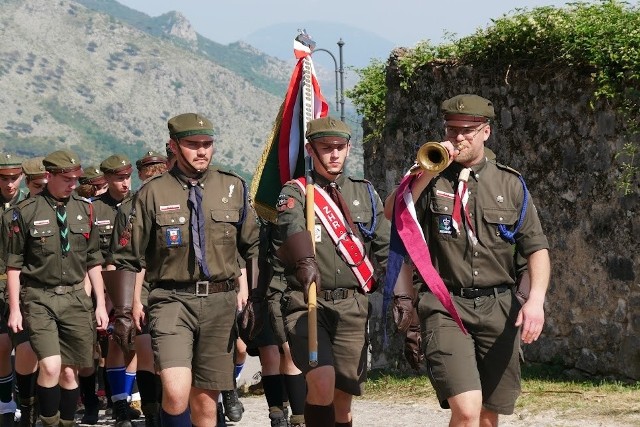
(100, 78)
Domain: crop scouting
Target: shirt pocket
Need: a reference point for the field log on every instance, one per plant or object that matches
(105, 228)
(79, 236)
(173, 230)
(441, 210)
(222, 228)
(43, 241)
(492, 218)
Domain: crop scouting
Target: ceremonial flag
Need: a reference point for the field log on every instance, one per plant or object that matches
(283, 157)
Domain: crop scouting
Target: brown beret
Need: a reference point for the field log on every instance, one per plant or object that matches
(10, 165)
(468, 107)
(189, 124)
(34, 168)
(93, 176)
(62, 161)
(327, 126)
(118, 164)
(151, 158)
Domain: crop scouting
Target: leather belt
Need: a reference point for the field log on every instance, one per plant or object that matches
(479, 292)
(336, 294)
(200, 289)
(58, 290)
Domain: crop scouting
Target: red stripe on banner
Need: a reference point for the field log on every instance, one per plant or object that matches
(411, 234)
(287, 117)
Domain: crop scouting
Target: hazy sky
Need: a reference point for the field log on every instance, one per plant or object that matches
(402, 22)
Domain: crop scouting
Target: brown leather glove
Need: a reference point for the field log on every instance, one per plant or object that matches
(252, 318)
(413, 343)
(404, 298)
(120, 285)
(307, 272)
(297, 253)
(124, 330)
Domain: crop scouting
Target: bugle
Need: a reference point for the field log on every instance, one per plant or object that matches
(432, 156)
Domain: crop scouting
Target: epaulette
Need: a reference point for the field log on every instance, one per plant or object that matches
(230, 172)
(366, 181)
(82, 199)
(508, 169)
(25, 202)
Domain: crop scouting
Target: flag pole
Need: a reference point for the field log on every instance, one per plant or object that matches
(307, 111)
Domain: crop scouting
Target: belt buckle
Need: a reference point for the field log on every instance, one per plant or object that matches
(60, 290)
(202, 288)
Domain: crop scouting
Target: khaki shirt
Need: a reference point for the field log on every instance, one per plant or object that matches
(495, 197)
(34, 241)
(161, 236)
(6, 212)
(105, 208)
(121, 236)
(335, 272)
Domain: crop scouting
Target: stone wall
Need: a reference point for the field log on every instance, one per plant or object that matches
(565, 149)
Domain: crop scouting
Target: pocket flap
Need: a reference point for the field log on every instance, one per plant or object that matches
(225, 215)
(360, 215)
(79, 228)
(442, 205)
(45, 231)
(500, 216)
(171, 218)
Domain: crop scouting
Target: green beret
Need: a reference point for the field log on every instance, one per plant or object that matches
(62, 161)
(34, 168)
(189, 124)
(151, 158)
(10, 165)
(118, 164)
(92, 176)
(327, 126)
(468, 107)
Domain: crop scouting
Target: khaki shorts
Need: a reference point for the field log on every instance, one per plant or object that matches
(486, 359)
(60, 324)
(195, 332)
(342, 338)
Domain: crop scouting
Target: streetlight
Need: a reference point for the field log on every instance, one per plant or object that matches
(340, 81)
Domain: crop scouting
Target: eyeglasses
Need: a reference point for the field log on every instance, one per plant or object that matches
(467, 133)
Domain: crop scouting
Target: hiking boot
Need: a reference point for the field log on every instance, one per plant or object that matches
(8, 413)
(220, 420)
(233, 408)
(121, 412)
(277, 417)
(52, 421)
(151, 413)
(28, 412)
(296, 421)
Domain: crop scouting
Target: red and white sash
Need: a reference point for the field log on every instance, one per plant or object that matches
(349, 246)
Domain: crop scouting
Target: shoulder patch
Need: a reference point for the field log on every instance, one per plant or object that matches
(25, 202)
(366, 181)
(228, 172)
(507, 168)
(82, 199)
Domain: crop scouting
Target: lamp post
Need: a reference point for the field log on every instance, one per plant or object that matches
(339, 70)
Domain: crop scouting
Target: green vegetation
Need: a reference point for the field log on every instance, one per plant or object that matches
(600, 39)
(544, 387)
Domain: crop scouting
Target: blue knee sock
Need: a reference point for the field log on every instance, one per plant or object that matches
(237, 371)
(180, 420)
(130, 378)
(117, 381)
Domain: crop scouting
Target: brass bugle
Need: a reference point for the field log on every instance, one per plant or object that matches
(432, 156)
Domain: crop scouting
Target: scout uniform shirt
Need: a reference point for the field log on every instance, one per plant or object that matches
(160, 228)
(105, 209)
(495, 197)
(34, 241)
(367, 213)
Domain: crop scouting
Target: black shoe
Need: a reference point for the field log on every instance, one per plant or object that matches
(90, 415)
(8, 419)
(121, 412)
(233, 408)
(220, 420)
(277, 418)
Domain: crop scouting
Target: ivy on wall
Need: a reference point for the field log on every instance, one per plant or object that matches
(600, 39)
